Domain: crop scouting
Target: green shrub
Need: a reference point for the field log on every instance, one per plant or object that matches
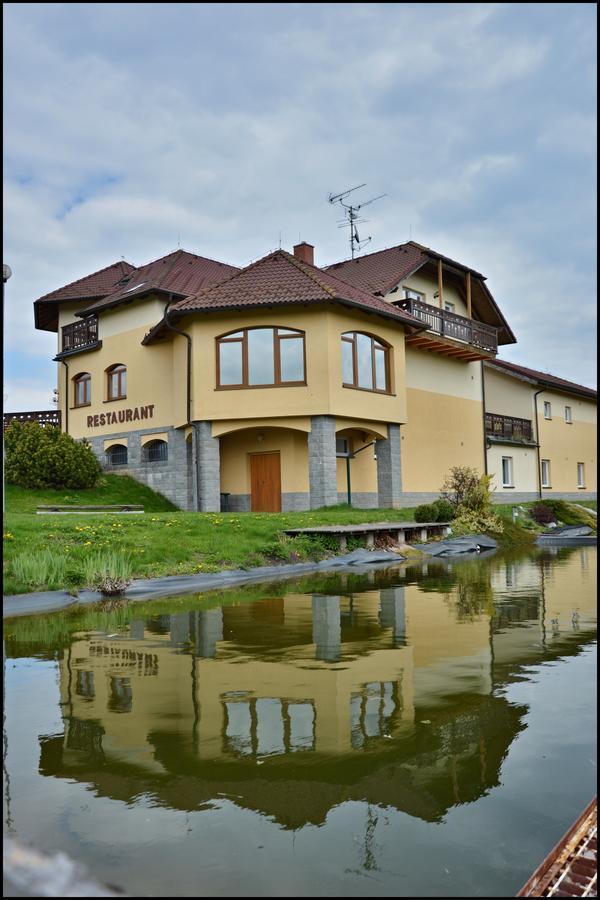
(460, 485)
(428, 512)
(109, 572)
(445, 510)
(39, 457)
(469, 521)
(43, 568)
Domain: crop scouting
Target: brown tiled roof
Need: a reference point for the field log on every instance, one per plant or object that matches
(380, 272)
(544, 378)
(90, 287)
(98, 284)
(281, 278)
(179, 273)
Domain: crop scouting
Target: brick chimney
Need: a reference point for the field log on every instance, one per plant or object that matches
(305, 252)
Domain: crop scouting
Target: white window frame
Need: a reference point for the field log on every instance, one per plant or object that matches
(580, 475)
(568, 415)
(342, 447)
(546, 473)
(411, 294)
(510, 483)
(449, 306)
(547, 409)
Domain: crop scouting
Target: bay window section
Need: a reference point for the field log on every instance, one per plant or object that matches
(261, 357)
(365, 362)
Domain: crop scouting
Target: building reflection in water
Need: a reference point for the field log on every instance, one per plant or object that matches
(387, 694)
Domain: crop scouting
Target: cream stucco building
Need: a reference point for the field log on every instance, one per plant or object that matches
(283, 385)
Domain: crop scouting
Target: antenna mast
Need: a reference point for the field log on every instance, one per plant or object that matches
(352, 217)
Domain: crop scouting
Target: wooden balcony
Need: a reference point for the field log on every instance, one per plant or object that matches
(460, 337)
(80, 335)
(509, 428)
(43, 416)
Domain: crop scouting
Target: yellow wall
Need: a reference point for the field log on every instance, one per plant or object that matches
(566, 445)
(508, 396)
(236, 448)
(152, 373)
(445, 419)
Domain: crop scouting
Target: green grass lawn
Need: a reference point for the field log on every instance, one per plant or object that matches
(165, 541)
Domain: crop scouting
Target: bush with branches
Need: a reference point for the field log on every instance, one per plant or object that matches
(39, 457)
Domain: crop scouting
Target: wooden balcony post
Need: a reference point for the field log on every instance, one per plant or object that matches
(440, 282)
(469, 295)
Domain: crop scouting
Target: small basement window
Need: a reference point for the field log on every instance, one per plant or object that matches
(156, 451)
(116, 455)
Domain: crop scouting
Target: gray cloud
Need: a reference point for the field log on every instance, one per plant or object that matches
(130, 128)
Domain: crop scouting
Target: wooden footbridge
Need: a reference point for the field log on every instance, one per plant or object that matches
(402, 532)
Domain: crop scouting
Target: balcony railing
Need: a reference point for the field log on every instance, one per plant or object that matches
(508, 428)
(80, 334)
(450, 325)
(43, 416)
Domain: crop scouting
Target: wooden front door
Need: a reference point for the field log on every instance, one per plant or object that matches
(265, 482)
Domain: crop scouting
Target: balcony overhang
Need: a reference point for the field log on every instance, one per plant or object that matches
(74, 351)
(425, 340)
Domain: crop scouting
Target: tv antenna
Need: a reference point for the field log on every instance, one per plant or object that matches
(352, 217)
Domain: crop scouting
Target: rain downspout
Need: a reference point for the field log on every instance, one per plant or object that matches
(485, 446)
(537, 439)
(66, 365)
(189, 358)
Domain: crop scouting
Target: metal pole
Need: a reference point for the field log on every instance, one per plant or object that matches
(348, 480)
(6, 273)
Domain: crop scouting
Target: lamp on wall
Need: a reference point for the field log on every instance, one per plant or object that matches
(260, 437)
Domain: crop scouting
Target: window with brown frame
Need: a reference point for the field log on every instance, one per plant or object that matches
(82, 388)
(261, 357)
(116, 382)
(365, 362)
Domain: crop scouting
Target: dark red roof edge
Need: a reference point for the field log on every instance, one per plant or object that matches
(545, 378)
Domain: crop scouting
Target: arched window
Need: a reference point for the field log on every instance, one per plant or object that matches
(82, 389)
(261, 357)
(116, 455)
(365, 362)
(156, 451)
(116, 384)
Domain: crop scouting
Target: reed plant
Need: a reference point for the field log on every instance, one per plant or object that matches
(109, 572)
(40, 568)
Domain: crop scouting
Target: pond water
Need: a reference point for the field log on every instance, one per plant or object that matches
(422, 731)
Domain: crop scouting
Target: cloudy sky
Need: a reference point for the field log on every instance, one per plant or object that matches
(131, 129)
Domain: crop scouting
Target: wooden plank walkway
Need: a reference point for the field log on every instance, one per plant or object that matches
(401, 531)
(571, 867)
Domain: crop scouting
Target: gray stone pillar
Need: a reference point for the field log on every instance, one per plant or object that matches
(208, 468)
(180, 628)
(322, 466)
(136, 630)
(209, 630)
(392, 613)
(327, 628)
(389, 469)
